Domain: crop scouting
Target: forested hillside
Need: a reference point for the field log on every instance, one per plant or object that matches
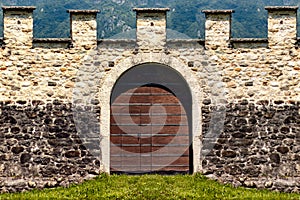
(52, 20)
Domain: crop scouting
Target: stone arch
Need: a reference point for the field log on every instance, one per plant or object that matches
(151, 120)
(107, 85)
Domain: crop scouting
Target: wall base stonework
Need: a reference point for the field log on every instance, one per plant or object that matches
(40, 146)
(259, 146)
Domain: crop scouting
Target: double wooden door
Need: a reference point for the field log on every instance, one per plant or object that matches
(149, 132)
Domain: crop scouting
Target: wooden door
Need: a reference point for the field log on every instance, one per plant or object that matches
(149, 132)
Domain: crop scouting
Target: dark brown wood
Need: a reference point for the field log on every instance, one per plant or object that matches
(149, 132)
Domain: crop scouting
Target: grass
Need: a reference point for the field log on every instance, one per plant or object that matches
(150, 187)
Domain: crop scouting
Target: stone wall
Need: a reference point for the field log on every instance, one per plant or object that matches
(151, 28)
(40, 146)
(259, 146)
(55, 98)
(18, 25)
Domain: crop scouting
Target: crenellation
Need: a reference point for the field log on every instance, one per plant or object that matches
(151, 28)
(18, 26)
(217, 28)
(55, 95)
(83, 28)
(282, 26)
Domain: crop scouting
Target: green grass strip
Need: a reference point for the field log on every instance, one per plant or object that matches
(150, 187)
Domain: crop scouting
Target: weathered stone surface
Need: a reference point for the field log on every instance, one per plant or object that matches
(25, 157)
(51, 91)
(41, 153)
(72, 154)
(17, 150)
(267, 143)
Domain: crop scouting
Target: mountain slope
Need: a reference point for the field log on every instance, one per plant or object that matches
(52, 20)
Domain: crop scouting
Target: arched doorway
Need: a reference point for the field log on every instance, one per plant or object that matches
(151, 121)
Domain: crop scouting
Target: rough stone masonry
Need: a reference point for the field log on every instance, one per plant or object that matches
(55, 98)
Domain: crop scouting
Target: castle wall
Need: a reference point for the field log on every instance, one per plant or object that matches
(151, 28)
(53, 96)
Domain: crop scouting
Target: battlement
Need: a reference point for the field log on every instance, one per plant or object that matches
(18, 29)
(240, 97)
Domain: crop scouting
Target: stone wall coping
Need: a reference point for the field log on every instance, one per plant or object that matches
(133, 41)
(248, 40)
(151, 9)
(126, 43)
(199, 41)
(217, 11)
(130, 41)
(83, 11)
(18, 8)
(52, 40)
(116, 40)
(281, 8)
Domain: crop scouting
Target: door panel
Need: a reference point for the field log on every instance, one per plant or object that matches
(149, 132)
